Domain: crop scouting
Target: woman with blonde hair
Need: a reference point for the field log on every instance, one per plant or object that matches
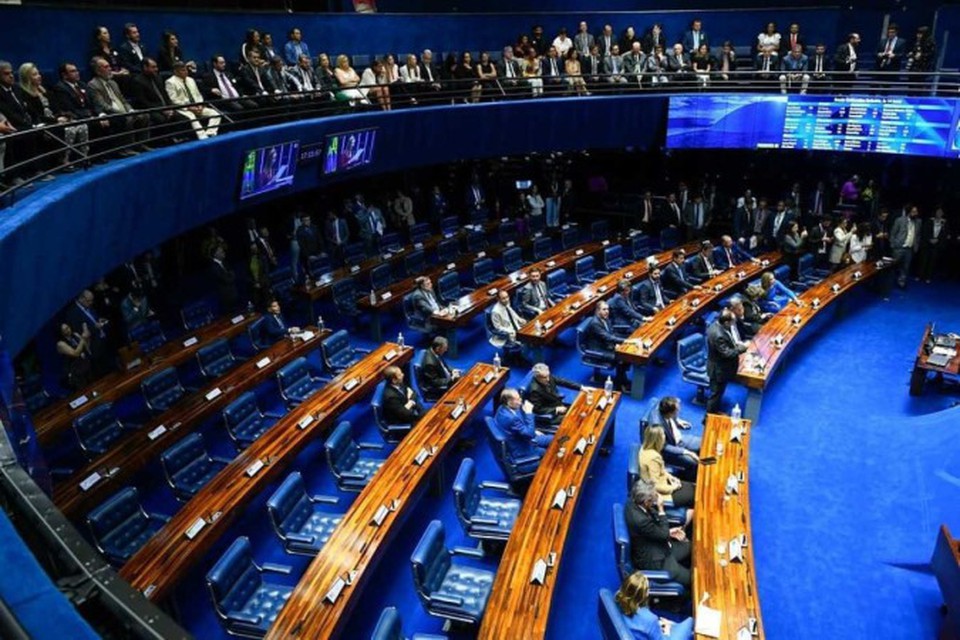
(348, 80)
(776, 295)
(654, 470)
(38, 106)
(632, 599)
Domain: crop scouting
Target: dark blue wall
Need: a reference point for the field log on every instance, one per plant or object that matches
(58, 240)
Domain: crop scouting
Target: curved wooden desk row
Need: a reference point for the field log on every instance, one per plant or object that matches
(94, 482)
(780, 332)
(166, 557)
(519, 604)
(51, 422)
(320, 605)
(652, 336)
(576, 306)
(470, 305)
(722, 517)
(922, 364)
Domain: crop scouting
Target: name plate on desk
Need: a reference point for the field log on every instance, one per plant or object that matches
(695, 302)
(262, 362)
(602, 404)
(492, 292)
(735, 552)
(390, 355)
(565, 227)
(671, 321)
(602, 288)
(254, 469)
(386, 256)
(335, 591)
(718, 288)
(386, 295)
(736, 434)
(560, 499)
(548, 324)
(764, 263)
(157, 432)
(307, 336)
(451, 266)
(504, 220)
(133, 364)
(189, 342)
(89, 481)
(797, 319)
(778, 340)
(350, 384)
(857, 275)
(213, 393)
(578, 252)
(380, 516)
(605, 243)
(195, 528)
(305, 421)
(581, 446)
(733, 485)
(421, 456)
(647, 343)
(488, 376)
(355, 268)
(575, 306)
(539, 573)
(416, 245)
(552, 263)
(816, 303)
(79, 402)
(511, 243)
(835, 288)
(236, 319)
(458, 411)
(741, 275)
(482, 254)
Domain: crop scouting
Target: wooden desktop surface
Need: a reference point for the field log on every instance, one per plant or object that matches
(952, 367)
(167, 556)
(518, 609)
(356, 545)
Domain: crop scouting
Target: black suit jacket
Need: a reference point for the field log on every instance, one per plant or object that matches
(649, 537)
(700, 268)
(723, 355)
(13, 104)
(545, 398)
(272, 328)
(148, 92)
(225, 281)
(128, 59)
(675, 279)
(648, 298)
(394, 406)
(434, 380)
(63, 99)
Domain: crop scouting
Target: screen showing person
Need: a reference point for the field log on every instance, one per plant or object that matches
(269, 168)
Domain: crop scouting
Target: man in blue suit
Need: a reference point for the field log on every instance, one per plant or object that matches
(675, 278)
(274, 327)
(624, 314)
(729, 254)
(652, 296)
(599, 337)
(515, 419)
(694, 37)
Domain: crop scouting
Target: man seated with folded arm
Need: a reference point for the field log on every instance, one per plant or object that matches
(652, 296)
(545, 395)
(400, 403)
(436, 375)
(514, 418)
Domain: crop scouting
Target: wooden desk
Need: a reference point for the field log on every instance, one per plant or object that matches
(133, 451)
(762, 357)
(655, 334)
(51, 422)
(720, 516)
(356, 545)
(946, 567)
(159, 564)
(572, 309)
(517, 608)
(921, 366)
(475, 302)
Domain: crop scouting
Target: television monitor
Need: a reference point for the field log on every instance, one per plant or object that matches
(349, 150)
(269, 168)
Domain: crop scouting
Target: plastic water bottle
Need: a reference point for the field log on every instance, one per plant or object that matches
(320, 323)
(538, 327)
(496, 362)
(373, 298)
(249, 307)
(608, 387)
(400, 339)
(735, 415)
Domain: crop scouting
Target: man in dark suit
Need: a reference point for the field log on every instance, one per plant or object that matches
(592, 66)
(224, 280)
(308, 239)
(791, 39)
(777, 225)
(274, 326)
(652, 296)
(819, 66)
(515, 419)
(337, 233)
(130, 52)
(605, 41)
(703, 268)
(220, 87)
(729, 254)
(675, 278)
(746, 327)
(846, 61)
(599, 337)
(723, 358)
(681, 449)
(671, 215)
(654, 544)
(425, 302)
(13, 106)
(552, 69)
(545, 395)
(934, 236)
(891, 51)
(83, 319)
(534, 296)
(106, 98)
(694, 37)
(819, 240)
(400, 404)
(255, 81)
(508, 72)
(429, 73)
(624, 314)
(435, 375)
(475, 197)
(149, 93)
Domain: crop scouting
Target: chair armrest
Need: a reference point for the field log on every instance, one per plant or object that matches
(656, 576)
(161, 517)
(132, 426)
(276, 568)
(245, 618)
(497, 486)
(323, 379)
(671, 589)
(467, 551)
(362, 350)
(526, 460)
(318, 499)
(372, 445)
(351, 475)
(275, 416)
(299, 537)
(438, 598)
(222, 460)
(487, 521)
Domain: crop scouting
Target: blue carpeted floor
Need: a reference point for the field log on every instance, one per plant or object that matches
(850, 478)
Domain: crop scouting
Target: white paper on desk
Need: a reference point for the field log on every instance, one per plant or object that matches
(736, 433)
(335, 591)
(733, 486)
(581, 446)
(307, 336)
(707, 621)
(743, 634)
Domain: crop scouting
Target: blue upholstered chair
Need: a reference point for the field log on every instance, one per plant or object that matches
(536, 224)
(296, 382)
(97, 429)
(255, 333)
(414, 263)
(569, 237)
(447, 590)
(653, 407)
(35, 396)
(544, 421)
(413, 318)
(669, 238)
(352, 470)
(381, 276)
(390, 432)
(613, 258)
(390, 627)
(640, 246)
(419, 232)
(244, 420)
(660, 583)
(245, 604)
(215, 359)
(450, 224)
(558, 284)
(188, 466)
(806, 274)
(782, 273)
(416, 370)
(692, 358)
(542, 248)
(354, 253)
(448, 287)
(597, 360)
(196, 314)
(511, 348)
(612, 624)
(281, 281)
(162, 390)
(517, 470)
(476, 240)
(599, 230)
(448, 250)
(337, 352)
(302, 527)
(585, 271)
(319, 265)
(507, 232)
(484, 517)
(390, 241)
(120, 526)
(512, 259)
(483, 273)
(345, 297)
(148, 335)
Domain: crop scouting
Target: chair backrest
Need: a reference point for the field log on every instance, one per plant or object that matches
(148, 334)
(535, 223)
(419, 232)
(289, 506)
(782, 273)
(669, 238)
(414, 263)
(292, 373)
(281, 276)
(688, 263)
(188, 451)
(466, 492)
(213, 352)
(448, 286)
(690, 350)
(557, 280)
(255, 333)
(507, 231)
(512, 259)
(524, 385)
(640, 246)
(570, 237)
(476, 240)
(344, 292)
(613, 257)
(159, 383)
(483, 271)
(449, 224)
(91, 425)
(599, 230)
(650, 414)
(416, 368)
(196, 315)
(389, 626)
(447, 250)
(480, 216)
(805, 265)
(390, 241)
(234, 578)
(34, 395)
(581, 335)
(341, 449)
(335, 348)
(376, 403)
(319, 265)
(354, 253)
(410, 311)
(430, 561)
(381, 276)
(583, 268)
(612, 625)
(542, 248)
(241, 411)
(116, 511)
(621, 542)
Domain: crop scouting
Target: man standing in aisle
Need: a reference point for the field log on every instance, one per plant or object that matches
(723, 357)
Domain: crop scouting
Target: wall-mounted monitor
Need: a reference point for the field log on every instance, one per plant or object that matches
(269, 168)
(349, 150)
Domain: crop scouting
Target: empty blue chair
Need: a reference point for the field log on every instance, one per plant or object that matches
(476, 241)
(296, 382)
(257, 338)
(97, 429)
(613, 258)
(148, 335)
(390, 242)
(542, 248)
(448, 287)
(640, 246)
(390, 432)
(120, 526)
(345, 297)
(337, 352)
(484, 517)
(569, 237)
(281, 281)
(692, 358)
(319, 265)
(597, 360)
(517, 470)
(419, 232)
(483, 273)
(782, 273)
(806, 276)
(162, 390)
(653, 409)
(352, 470)
(512, 259)
(215, 359)
(479, 217)
(244, 420)
(188, 466)
(599, 230)
(412, 316)
(507, 231)
(246, 605)
(450, 224)
(381, 276)
(660, 583)
(447, 251)
(558, 284)
(196, 314)
(390, 627)
(302, 527)
(447, 590)
(584, 271)
(536, 224)
(354, 253)
(414, 263)
(35, 397)
(669, 238)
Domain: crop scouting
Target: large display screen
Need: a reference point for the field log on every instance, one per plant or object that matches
(350, 150)
(269, 168)
(899, 125)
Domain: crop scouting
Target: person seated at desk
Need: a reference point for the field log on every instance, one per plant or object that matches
(753, 313)
(654, 469)
(632, 598)
(775, 294)
(654, 544)
(436, 376)
(744, 327)
(135, 308)
(652, 297)
(545, 395)
(675, 278)
(505, 319)
(515, 419)
(703, 267)
(400, 404)
(534, 296)
(599, 336)
(680, 449)
(729, 254)
(624, 314)
(274, 327)
(425, 302)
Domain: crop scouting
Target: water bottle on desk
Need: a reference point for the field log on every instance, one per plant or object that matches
(496, 362)
(320, 323)
(735, 415)
(249, 308)
(400, 339)
(608, 387)
(538, 327)
(373, 298)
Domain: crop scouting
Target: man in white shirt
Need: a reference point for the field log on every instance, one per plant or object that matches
(505, 320)
(562, 43)
(183, 92)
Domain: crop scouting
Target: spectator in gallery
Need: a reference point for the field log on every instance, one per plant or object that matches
(769, 38)
(170, 53)
(349, 81)
(295, 47)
